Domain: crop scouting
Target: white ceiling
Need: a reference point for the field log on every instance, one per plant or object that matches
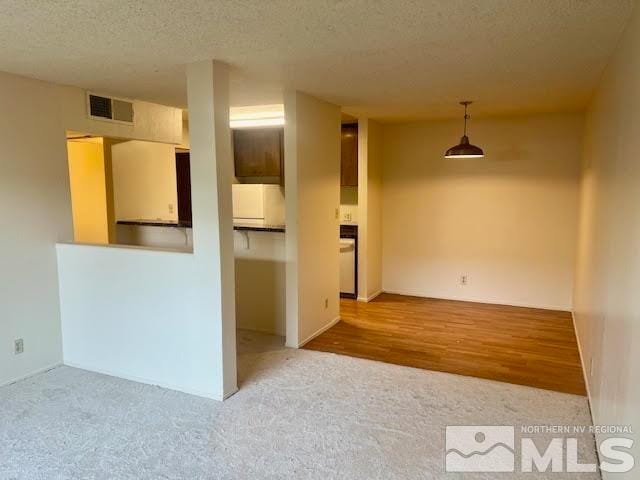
(391, 60)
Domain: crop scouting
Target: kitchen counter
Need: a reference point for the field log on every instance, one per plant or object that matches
(258, 228)
(154, 223)
(167, 223)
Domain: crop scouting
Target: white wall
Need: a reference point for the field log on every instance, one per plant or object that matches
(138, 314)
(607, 288)
(369, 209)
(144, 181)
(36, 212)
(348, 205)
(260, 260)
(37, 208)
(312, 200)
(507, 221)
(154, 236)
(153, 122)
(211, 178)
(162, 317)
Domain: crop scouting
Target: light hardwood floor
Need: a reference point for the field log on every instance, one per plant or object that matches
(525, 346)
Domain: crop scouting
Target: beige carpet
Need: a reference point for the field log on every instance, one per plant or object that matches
(299, 414)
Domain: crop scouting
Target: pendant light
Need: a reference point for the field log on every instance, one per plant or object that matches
(464, 149)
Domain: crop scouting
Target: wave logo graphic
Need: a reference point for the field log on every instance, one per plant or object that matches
(480, 449)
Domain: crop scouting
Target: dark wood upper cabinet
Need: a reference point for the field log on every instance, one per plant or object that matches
(183, 181)
(349, 155)
(258, 152)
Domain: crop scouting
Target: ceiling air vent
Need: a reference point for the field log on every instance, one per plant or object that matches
(106, 108)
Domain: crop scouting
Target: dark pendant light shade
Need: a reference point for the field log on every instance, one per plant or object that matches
(464, 149)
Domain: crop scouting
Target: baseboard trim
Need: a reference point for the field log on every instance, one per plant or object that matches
(147, 381)
(584, 366)
(319, 332)
(261, 330)
(370, 297)
(596, 438)
(31, 374)
(480, 300)
(230, 394)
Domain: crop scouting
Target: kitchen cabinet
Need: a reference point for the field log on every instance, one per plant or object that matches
(349, 155)
(258, 152)
(183, 183)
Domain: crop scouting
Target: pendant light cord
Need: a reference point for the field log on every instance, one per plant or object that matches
(465, 119)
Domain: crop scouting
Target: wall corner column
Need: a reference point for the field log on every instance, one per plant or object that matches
(211, 179)
(312, 199)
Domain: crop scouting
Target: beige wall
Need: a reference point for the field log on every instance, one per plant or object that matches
(153, 122)
(312, 199)
(369, 209)
(36, 212)
(185, 144)
(507, 221)
(88, 190)
(348, 204)
(211, 199)
(260, 261)
(144, 181)
(36, 203)
(607, 289)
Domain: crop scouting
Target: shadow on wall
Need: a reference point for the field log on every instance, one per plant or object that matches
(506, 221)
(260, 295)
(532, 146)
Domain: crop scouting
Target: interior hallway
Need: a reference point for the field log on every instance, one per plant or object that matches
(524, 346)
(298, 414)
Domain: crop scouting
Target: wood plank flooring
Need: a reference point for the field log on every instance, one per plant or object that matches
(525, 346)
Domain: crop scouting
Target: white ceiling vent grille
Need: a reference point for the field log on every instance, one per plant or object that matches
(109, 109)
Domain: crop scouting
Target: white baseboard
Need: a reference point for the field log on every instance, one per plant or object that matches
(584, 367)
(261, 330)
(135, 378)
(370, 297)
(586, 384)
(31, 374)
(562, 308)
(319, 331)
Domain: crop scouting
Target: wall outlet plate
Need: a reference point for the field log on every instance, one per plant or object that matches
(464, 280)
(18, 346)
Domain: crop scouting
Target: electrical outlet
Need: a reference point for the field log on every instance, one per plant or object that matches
(171, 208)
(347, 216)
(326, 303)
(18, 346)
(464, 280)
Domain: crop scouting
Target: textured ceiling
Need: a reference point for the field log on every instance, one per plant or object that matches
(391, 60)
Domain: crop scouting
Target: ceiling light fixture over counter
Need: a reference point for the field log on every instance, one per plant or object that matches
(256, 116)
(464, 149)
